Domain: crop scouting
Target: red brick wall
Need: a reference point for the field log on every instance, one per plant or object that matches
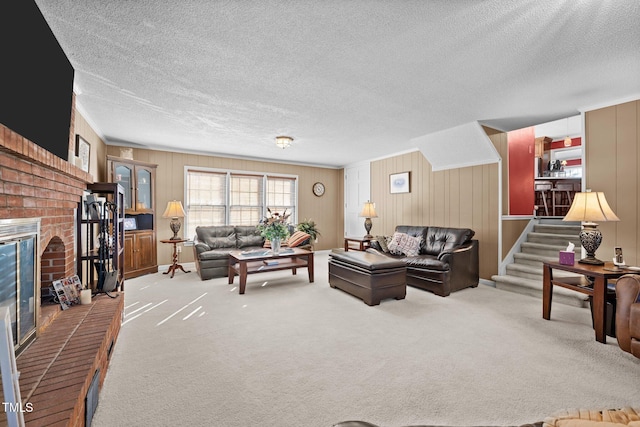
(35, 183)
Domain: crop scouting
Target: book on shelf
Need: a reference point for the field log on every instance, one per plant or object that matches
(270, 262)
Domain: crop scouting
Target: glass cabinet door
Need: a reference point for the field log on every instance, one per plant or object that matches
(123, 176)
(144, 189)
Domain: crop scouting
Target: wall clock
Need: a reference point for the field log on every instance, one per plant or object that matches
(318, 189)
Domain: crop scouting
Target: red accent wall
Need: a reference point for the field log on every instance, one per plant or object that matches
(521, 145)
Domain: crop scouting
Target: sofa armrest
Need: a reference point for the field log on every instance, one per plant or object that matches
(627, 295)
(446, 255)
(199, 247)
(464, 265)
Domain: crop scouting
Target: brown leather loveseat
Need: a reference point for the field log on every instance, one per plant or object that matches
(628, 313)
(447, 260)
(212, 245)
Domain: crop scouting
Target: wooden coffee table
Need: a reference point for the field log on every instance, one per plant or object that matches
(243, 263)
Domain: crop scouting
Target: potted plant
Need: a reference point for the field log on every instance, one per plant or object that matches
(274, 228)
(308, 226)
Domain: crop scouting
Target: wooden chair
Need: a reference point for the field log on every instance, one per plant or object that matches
(561, 197)
(543, 197)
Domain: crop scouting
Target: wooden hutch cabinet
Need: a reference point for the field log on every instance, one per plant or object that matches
(138, 180)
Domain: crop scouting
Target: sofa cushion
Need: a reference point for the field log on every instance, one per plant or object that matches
(248, 236)
(219, 236)
(220, 253)
(298, 238)
(430, 262)
(442, 239)
(402, 243)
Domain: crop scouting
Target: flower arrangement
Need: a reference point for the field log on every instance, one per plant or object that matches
(274, 226)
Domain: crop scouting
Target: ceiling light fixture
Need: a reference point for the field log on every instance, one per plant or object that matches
(283, 141)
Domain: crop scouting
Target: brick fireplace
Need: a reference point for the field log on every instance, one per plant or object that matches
(35, 183)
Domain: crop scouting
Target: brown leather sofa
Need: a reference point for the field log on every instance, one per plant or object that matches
(212, 245)
(447, 261)
(628, 313)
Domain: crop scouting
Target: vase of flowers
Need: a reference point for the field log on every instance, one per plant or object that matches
(275, 229)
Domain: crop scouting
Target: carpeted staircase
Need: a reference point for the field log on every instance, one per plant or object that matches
(524, 274)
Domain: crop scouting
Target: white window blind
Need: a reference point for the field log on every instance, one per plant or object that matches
(206, 200)
(246, 201)
(281, 195)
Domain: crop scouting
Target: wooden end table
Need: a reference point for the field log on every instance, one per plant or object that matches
(362, 242)
(597, 290)
(175, 266)
(243, 263)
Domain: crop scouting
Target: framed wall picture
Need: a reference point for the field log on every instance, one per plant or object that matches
(399, 182)
(83, 152)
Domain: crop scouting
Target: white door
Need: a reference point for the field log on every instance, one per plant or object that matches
(356, 192)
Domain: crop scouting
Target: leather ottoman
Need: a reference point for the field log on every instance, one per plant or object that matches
(368, 276)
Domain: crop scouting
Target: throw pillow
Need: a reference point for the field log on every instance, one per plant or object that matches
(383, 241)
(402, 243)
(298, 238)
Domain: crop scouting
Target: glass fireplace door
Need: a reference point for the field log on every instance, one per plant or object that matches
(17, 286)
(9, 282)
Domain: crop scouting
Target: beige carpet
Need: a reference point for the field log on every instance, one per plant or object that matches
(291, 353)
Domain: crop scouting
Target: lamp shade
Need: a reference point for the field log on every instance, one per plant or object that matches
(590, 207)
(174, 210)
(368, 210)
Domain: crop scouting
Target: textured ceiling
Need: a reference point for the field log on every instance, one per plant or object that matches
(348, 80)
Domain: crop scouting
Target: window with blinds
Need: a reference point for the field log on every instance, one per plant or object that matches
(281, 195)
(215, 197)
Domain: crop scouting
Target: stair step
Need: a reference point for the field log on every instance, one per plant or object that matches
(534, 288)
(532, 259)
(558, 229)
(553, 239)
(533, 272)
(543, 249)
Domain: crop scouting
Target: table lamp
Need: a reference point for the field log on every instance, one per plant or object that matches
(174, 211)
(368, 212)
(588, 208)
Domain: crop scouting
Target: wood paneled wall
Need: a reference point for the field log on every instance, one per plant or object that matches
(612, 155)
(327, 211)
(465, 197)
(98, 154)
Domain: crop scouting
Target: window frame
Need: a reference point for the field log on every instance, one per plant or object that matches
(293, 219)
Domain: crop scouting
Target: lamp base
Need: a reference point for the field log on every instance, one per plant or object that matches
(175, 227)
(590, 238)
(367, 226)
(591, 260)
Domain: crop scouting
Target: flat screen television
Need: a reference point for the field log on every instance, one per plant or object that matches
(36, 78)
